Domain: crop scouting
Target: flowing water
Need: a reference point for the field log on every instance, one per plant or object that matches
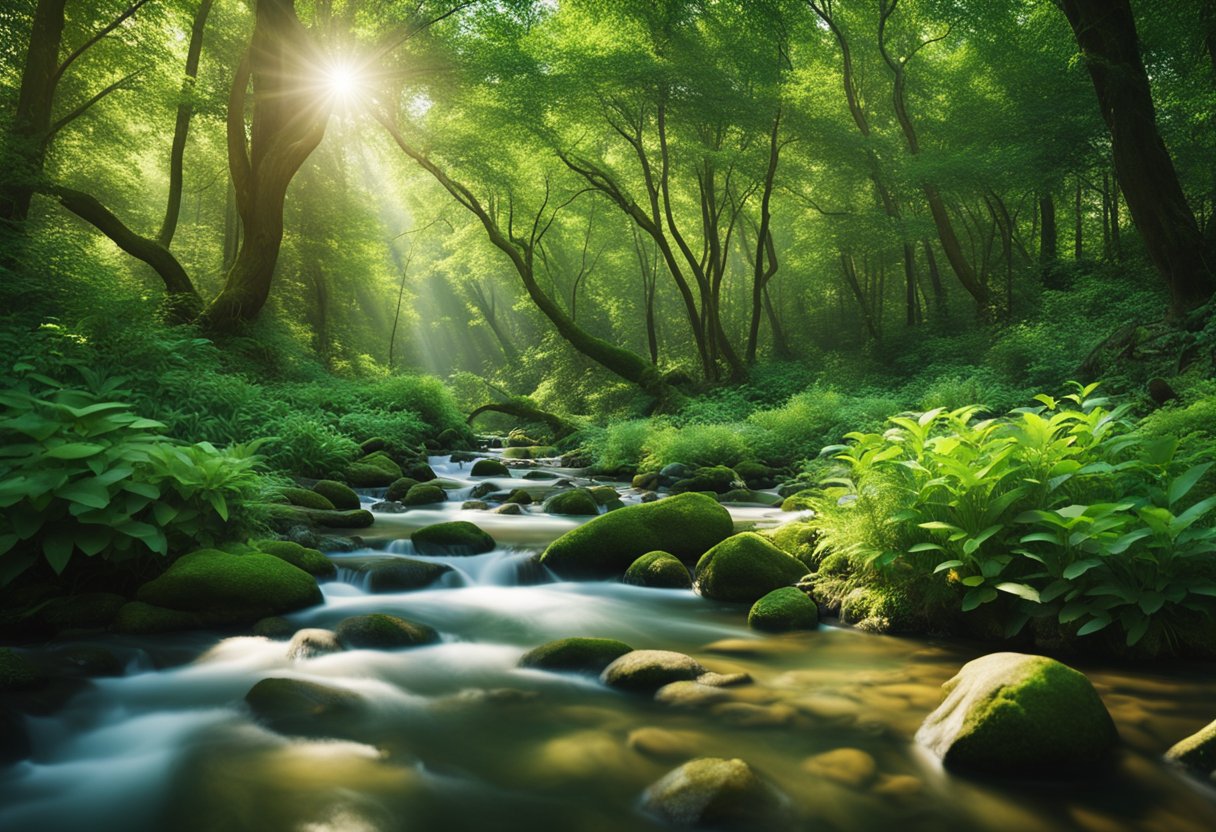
(454, 736)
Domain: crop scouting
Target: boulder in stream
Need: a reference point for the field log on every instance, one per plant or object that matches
(508, 508)
(1011, 714)
(138, 618)
(645, 671)
(400, 574)
(489, 468)
(421, 472)
(384, 632)
(458, 537)
(399, 488)
(294, 706)
(745, 567)
(575, 655)
(424, 494)
(342, 496)
(715, 793)
(784, 610)
(373, 471)
(578, 502)
(1197, 752)
(658, 570)
(686, 526)
(222, 588)
(304, 498)
(301, 557)
(718, 479)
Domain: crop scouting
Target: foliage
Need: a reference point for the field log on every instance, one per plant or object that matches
(1062, 509)
(83, 475)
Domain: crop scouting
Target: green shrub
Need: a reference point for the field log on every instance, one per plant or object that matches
(1060, 509)
(308, 445)
(80, 473)
(696, 445)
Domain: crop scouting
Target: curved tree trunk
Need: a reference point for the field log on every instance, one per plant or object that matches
(1106, 32)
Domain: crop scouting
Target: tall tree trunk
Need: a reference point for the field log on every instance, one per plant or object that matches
(1106, 32)
(1047, 234)
(181, 130)
(288, 123)
(935, 279)
(25, 148)
(781, 346)
(765, 264)
(849, 269)
(913, 307)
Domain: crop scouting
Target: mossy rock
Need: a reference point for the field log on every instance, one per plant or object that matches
(138, 618)
(384, 632)
(798, 539)
(424, 494)
(362, 475)
(474, 505)
(802, 500)
(658, 570)
(312, 642)
(756, 476)
(518, 439)
(275, 628)
(357, 519)
(746, 495)
(419, 471)
(646, 482)
(16, 671)
(458, 537)
(577, 502)
(532, 452)
(294, 706)
(80, 612)
(301, 557)
(225, 589)
(784, 610)
(306, 499)
(508, 508)
(399, 488)
(401, 574)
(1010, 714)
(716, 793)
(645, 671)
(540, 475)
(686, 526)
(718, 479)
(575, 655)
(341, 495)
(451, 439)
(880, 608)
(519, 497)
(744, 567)
(604, 494)
(370, 446)
(489, 468)
(1197, 752)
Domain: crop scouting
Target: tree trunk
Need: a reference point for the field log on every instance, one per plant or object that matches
(185, 110)
(26, 147)
(781, 347)
(288, 123)
(935, 279)
(1106, 32)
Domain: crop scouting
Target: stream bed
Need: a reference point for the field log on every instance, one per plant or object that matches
(456, 736)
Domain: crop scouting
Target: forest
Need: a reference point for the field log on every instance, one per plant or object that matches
(607, 415)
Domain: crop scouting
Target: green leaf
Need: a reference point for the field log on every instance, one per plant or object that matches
(1184, 483)
(1020, 590)
(926, 547)
(1079, 568)
(88, 492)
(57, 548)
(1150, 602)
(219, 504)
(973, 580)
(75, 450)
(974, 543)
(1098, 622)
(979, 596)
(939, 526)
(947, 564)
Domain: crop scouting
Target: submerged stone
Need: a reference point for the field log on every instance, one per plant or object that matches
(384, 632)
(686, 526)
(293, 706)
(847, 766)
(646, 671)
(714, 793)
(1017, 715)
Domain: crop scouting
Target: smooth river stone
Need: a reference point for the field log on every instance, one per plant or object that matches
(662, 744)
(850, 767)
(648, 670)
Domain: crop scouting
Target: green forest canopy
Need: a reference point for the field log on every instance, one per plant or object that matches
(669, 192)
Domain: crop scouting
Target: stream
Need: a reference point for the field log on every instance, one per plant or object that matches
(455, 736)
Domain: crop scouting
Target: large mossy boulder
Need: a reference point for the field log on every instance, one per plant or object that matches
(373, 471)
(222, 588)
(686, 526)
(459, 537)
(301, 557)
(658, 570)
(645, 671)
(577, 502)
(424, 494)
(489, 468)
(399, 488)
(421, 472)
(715, 793)
(294, 706)
(1010, 714)
(1197, 752)
(342, 496)
(304, 498)
(575, 655)
(744, 567)
(718, 479)
(138, 618)
(401, 574)
(784, 610)
(384, 632)
(756, 475)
